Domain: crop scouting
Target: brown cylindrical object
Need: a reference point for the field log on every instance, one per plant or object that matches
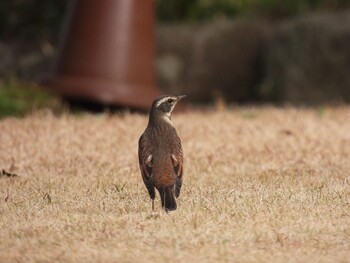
(107, 54)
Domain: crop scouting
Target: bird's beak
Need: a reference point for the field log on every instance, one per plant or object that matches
(180, 97)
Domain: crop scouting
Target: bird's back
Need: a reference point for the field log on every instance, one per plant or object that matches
(164, 139)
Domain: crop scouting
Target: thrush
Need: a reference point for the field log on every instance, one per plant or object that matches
(160, 153)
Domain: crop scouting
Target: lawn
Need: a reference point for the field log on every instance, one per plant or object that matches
(261, 184)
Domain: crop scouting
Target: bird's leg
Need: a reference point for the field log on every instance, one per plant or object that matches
(153, 205)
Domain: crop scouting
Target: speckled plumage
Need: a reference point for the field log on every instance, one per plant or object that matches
(160, 153)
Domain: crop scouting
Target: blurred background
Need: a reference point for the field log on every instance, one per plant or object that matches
(236, 51)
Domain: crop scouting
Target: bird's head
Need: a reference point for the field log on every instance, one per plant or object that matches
(164, 105)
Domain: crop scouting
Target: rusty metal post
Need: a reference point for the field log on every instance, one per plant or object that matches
(107, 55)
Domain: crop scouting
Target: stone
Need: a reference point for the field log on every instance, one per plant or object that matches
(220, 59)
(307, 60)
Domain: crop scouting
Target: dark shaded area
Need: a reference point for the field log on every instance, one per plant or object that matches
(199, 10)
(41, 19)
(77, 105)
(31, 19)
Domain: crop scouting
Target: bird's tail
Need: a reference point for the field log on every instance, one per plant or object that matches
(167, 196)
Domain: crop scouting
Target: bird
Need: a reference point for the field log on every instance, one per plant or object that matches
(160, 153)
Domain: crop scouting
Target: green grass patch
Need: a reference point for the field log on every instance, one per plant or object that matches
(18, 99)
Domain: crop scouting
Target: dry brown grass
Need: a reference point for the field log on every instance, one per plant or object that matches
(261, 185)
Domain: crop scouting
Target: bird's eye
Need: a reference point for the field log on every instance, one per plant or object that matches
(170, 100)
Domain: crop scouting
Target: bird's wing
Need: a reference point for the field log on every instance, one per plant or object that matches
(145, 163)
(177, 160)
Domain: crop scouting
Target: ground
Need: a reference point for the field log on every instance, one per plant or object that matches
(261, 185)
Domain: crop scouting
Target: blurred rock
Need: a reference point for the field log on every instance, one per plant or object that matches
(308, 60)
(174, 45)
(211, 60)
(25, 61)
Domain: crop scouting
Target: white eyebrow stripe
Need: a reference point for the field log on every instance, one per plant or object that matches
(161, 101)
